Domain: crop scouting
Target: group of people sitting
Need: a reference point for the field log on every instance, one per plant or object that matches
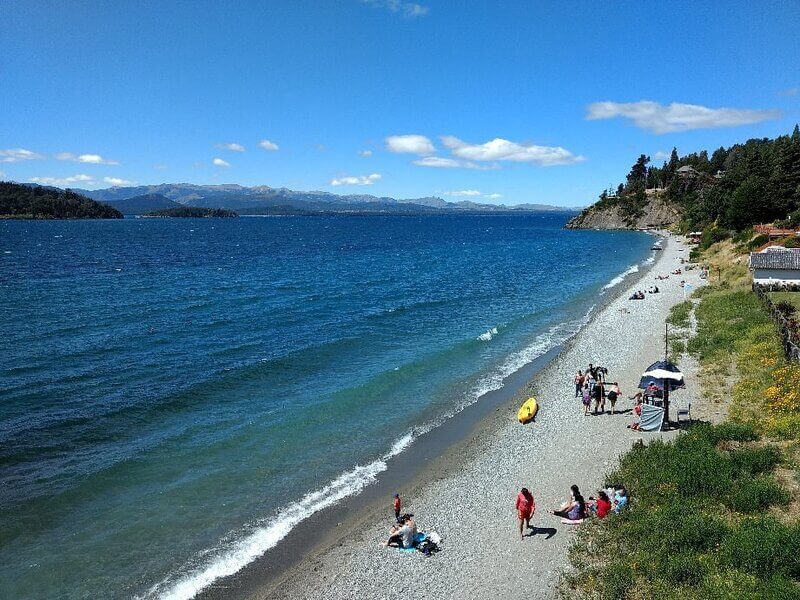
(639, 294)
(405, 535)
(591, 385)
(612, 499)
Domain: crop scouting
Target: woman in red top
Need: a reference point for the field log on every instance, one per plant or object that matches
(603, 505)
(526, 506)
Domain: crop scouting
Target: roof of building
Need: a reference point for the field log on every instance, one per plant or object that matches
(687, 169)
(787, 260)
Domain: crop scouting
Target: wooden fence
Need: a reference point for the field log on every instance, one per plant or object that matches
(789, 338)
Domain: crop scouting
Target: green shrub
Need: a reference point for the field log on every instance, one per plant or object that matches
(763, 546)
(753, 495)
(618, 579)
(679, 314)
(792, 242)
(757, 241)
(728, 431)
(755, 461)
(683, 569)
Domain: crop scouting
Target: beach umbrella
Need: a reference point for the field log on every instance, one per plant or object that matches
(665, 376)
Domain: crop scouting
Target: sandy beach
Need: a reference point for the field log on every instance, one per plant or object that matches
(467, 496)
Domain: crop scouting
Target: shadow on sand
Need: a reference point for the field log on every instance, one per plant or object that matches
(548, 532)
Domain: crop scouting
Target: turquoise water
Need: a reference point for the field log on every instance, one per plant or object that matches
(177, 394)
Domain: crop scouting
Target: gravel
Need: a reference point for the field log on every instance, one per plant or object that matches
(472, 505)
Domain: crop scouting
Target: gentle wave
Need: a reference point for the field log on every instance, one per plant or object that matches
(488, 335)
(231, 560)
(621, 277)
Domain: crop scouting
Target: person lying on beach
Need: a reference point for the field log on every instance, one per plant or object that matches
(574, 509)
(637, 295)
(613, 394)
(526, 507)
(404, 536)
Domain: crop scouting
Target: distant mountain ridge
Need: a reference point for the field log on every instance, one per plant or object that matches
(267, 200)
(139, 205)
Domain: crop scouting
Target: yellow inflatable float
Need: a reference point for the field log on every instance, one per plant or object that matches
(528, 410)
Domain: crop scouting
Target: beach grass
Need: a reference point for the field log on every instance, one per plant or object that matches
(715, 512)
(707, 514)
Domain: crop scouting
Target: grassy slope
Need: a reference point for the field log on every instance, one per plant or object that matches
(715, 513)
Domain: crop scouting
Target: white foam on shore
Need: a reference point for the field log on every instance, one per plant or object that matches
(621, 277)
(232, 558)
(488, 335)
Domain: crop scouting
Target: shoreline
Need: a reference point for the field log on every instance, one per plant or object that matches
(432, 457)
(467, 494)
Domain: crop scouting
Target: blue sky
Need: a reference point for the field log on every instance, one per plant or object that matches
(496, 101)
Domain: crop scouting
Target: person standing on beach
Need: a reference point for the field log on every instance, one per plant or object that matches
(526, 506)
(587, 399)
(578, 383)
(396, 505)
(599, 398)
(613, 394)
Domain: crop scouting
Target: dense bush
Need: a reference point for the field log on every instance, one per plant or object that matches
(37, 202)
(690, 530)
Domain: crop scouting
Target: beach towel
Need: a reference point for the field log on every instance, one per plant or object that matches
(420, 537)
(652, 418)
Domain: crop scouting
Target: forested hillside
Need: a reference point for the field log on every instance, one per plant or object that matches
(35, 202)
(754, 182)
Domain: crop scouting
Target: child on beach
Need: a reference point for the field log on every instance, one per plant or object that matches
(525, 506)
(396, 505)
(587, 400)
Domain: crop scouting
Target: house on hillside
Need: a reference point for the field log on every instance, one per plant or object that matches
(776, 265)
(688, 172)
(774, 232)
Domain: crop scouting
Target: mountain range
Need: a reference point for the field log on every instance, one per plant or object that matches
(267, 200)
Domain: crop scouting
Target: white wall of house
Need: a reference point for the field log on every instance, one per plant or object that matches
(776, 276)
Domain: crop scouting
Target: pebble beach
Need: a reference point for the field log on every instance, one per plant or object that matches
(468, 495)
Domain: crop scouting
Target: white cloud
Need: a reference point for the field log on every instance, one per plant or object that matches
(365, 153)
(658, 118)
(268, 146)
(407, 9)
(91, 159)
(472, 193)
(233, 147)
(356, 180)
(661, 155)
(2, 174)
(794, 91)
(463, 193)
(116, 181)
(64, 181)
(410, 144)
(160, 167)
(218, 162)
(18, 154)
(439, 162)
(499, 149)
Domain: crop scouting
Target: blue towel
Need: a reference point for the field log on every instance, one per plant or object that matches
(421, 537)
